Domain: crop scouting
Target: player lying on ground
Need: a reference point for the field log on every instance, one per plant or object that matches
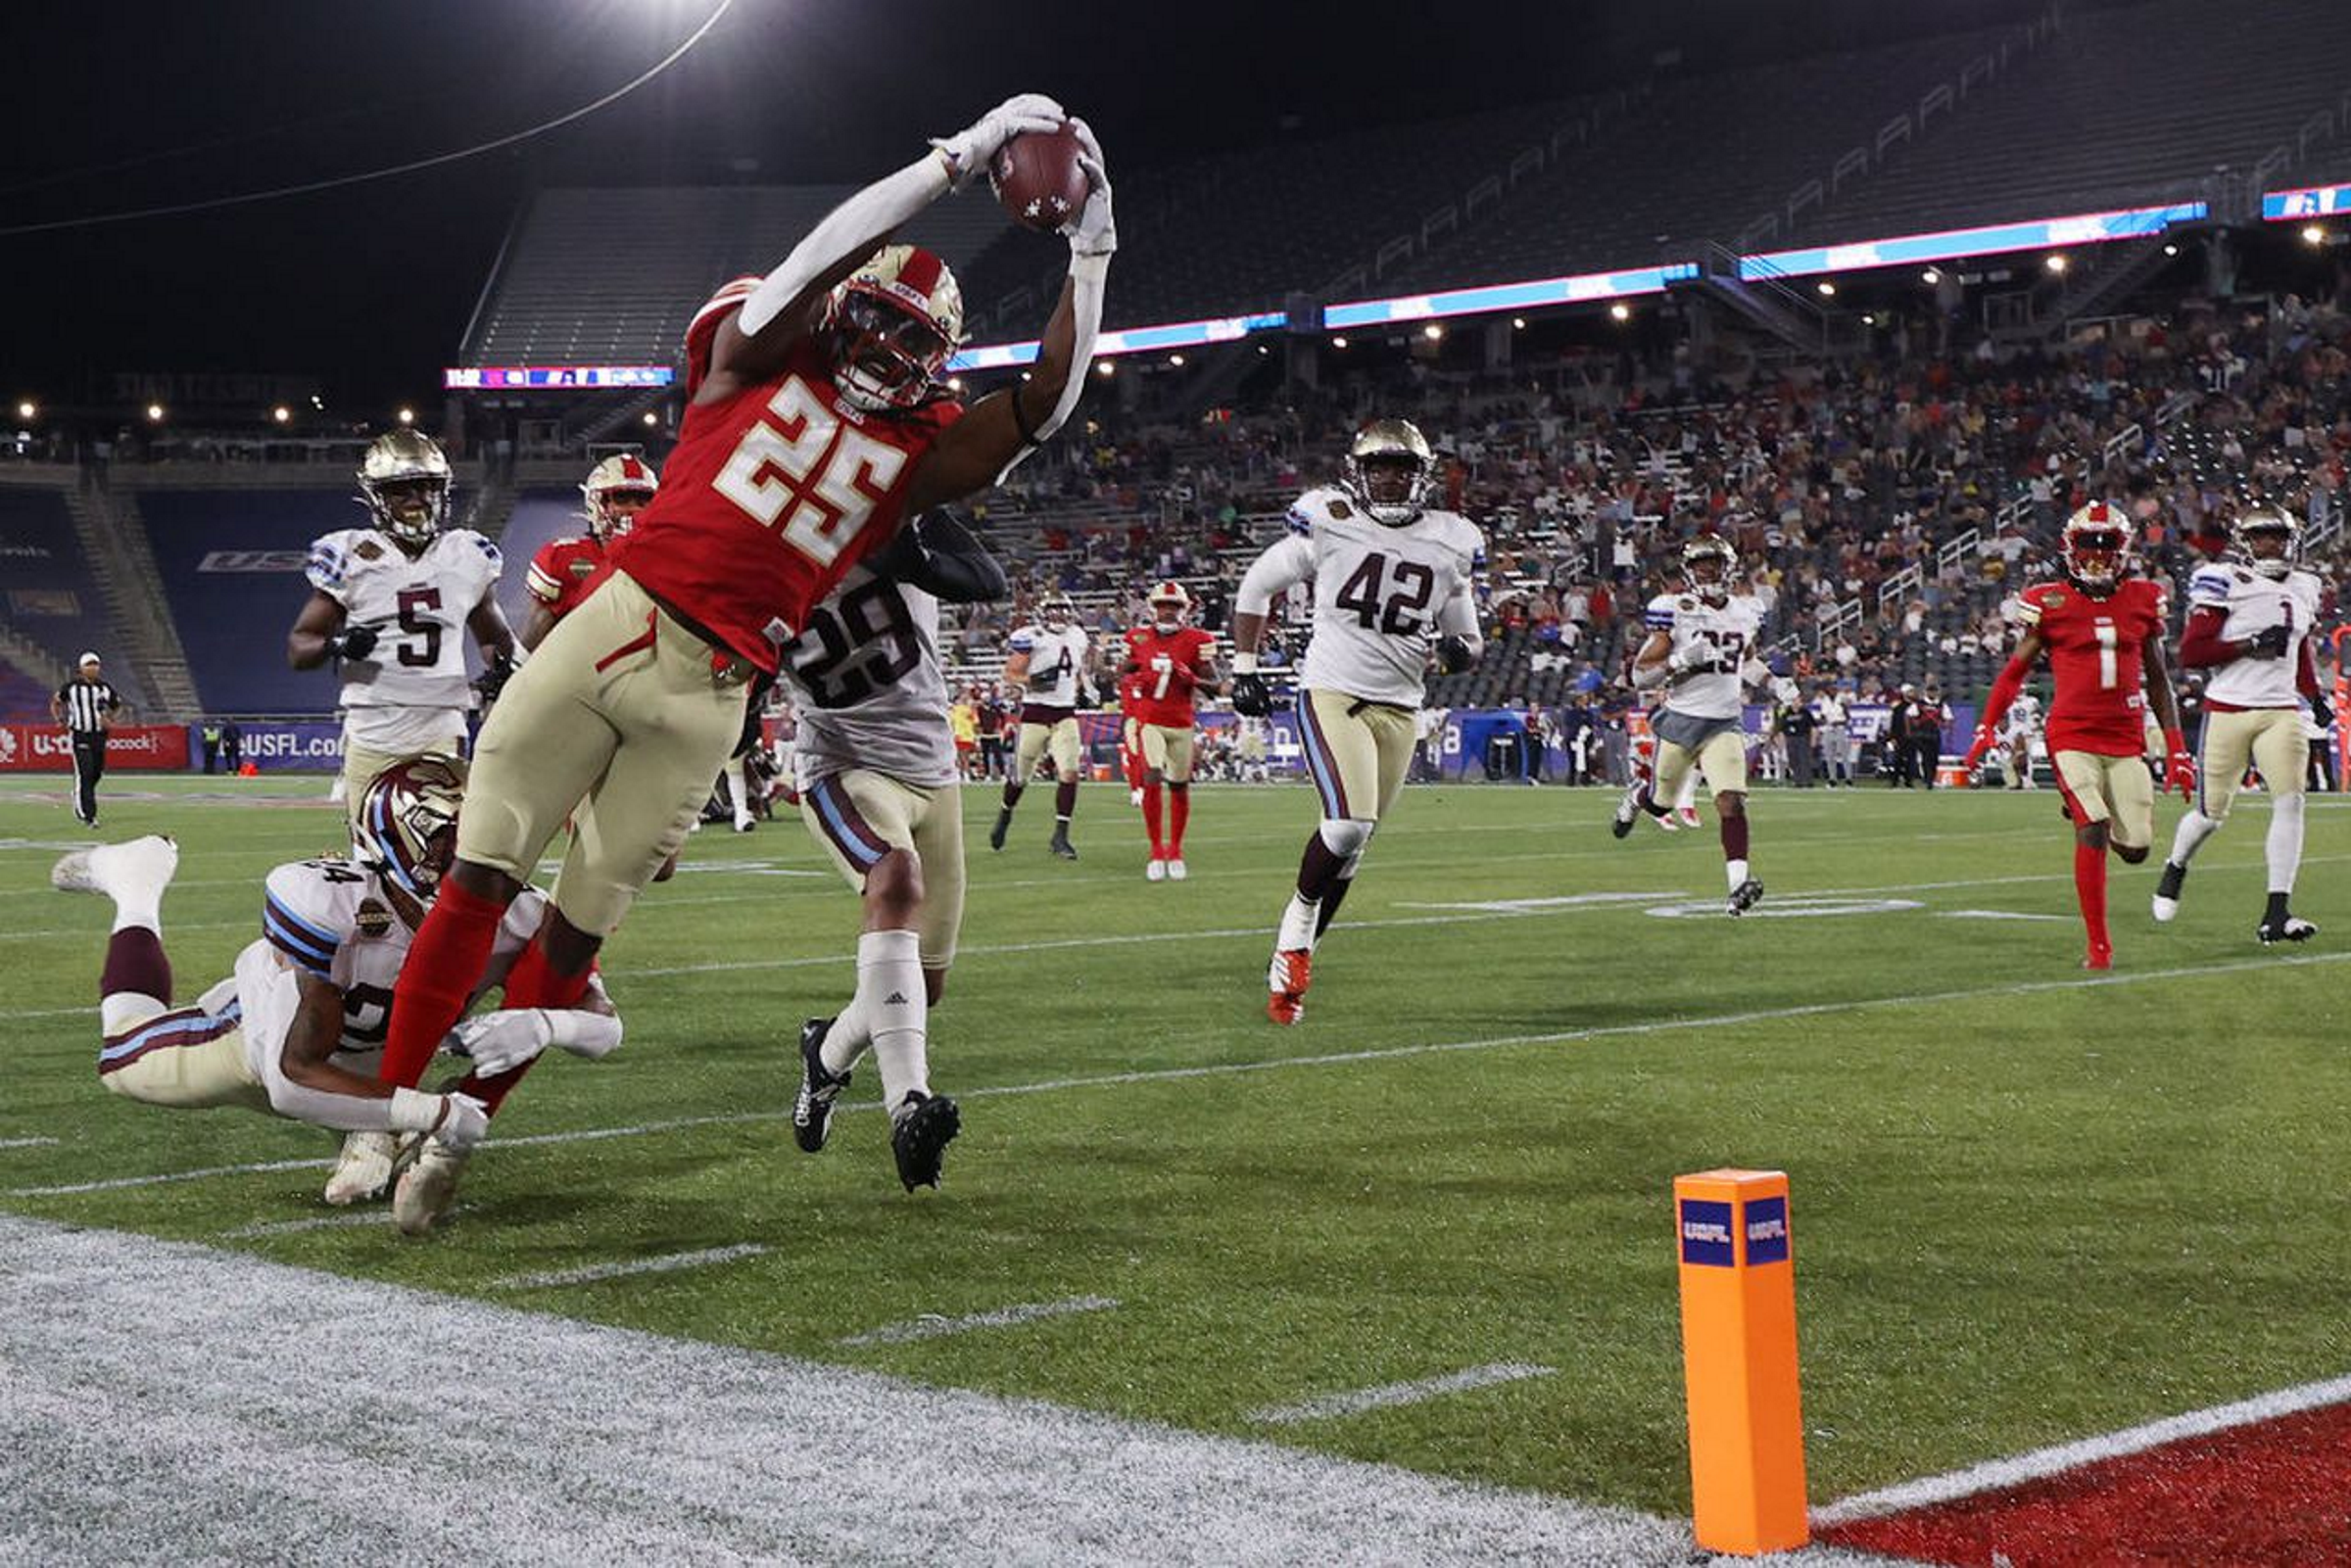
(1168, 661)
(2102, 630)
(816, 421)
(294, 1028)
(1699, 644)
(2249, 622)
(1392, 582)
(1046, 674)
(880, 789)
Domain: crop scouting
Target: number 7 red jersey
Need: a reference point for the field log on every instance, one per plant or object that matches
(1167, 666)
(773, 494)
(2096, 653)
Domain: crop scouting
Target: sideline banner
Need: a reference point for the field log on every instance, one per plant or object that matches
(131, 747)
(283, 746)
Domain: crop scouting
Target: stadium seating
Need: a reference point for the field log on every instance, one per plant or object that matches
(23, 698)
(51, 594)
(232, 563)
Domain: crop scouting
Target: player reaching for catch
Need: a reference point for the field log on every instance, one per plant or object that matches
(1167, 661)
(1700, 640)
(1046, 673)
(565, 571)
(2102, 630)
(2249, 622)
(1392, 585)
(816, 421)
(876, 765)
(393, 601)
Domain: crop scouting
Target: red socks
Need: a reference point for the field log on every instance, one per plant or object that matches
(1151, 818)
(445, 963)
(1734, 836)
(135, 962)
(2090, 886)
(1180, 812)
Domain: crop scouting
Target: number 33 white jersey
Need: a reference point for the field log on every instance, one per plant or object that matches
(1711, 643)
(1382, 594)
(418, 609)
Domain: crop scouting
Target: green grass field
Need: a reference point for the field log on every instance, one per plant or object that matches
(2029, 1206)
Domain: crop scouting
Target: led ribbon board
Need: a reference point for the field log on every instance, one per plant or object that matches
(1494, 297)
(2317, 201)
(476, 378)
(2087, 228)
(1128, 339)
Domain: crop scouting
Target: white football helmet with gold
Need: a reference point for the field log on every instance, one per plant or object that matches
(1390, 467)
(404, 483)
(2266, 525)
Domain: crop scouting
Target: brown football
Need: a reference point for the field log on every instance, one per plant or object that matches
(1036, 175)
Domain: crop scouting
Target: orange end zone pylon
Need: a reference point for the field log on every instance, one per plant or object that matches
(1747, 1426)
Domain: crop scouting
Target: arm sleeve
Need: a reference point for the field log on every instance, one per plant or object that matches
(879, 208)
(1086, 277)
(2011, 680)
(1280, 569)
(2201, 645)
(939, 555)
(2306, 673)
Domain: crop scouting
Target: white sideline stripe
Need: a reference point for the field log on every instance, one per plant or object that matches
(1358, 1400)
(765, 1458)
(590, 1273)
(27, 1143)
(368, 1215)
(1999, 1474)
(1332, 1059)
(930, 1327)
(1999, 913)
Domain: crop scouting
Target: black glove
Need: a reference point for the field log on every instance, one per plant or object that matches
(1251, 697)
(353, 643)
(1453, 656)
(2322, 710)
(937, 553)
(493, 677)
(2268, 642)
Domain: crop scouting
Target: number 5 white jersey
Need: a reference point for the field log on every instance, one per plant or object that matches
(871, 694)
(412, 690)
(1711, 643)
(1382, 594)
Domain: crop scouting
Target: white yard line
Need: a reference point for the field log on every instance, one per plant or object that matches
(350, 1218)
(2000, 1474)
(590, 1274)
(27, 1143)
(1711, 1020)
(1357, 1401)
(935, 1327)
(1999, 913)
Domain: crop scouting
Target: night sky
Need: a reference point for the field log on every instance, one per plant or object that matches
(124, 106)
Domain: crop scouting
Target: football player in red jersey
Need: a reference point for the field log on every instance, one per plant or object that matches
(565, 571)
(1168, 661)
(2102, 630)
(815, 424)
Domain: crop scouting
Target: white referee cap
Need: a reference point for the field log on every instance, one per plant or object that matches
(87, 658)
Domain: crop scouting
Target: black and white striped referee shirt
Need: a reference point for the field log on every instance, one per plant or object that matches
(86, 704)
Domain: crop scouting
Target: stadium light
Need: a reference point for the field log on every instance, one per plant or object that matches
(155, 413)
(1175, 359)
(2055, 262)
(281, 414)
(1518, 324)
(954, 383)
(1827, 289)
(27, 409)
(1105, 369)
(651, 418)
(1931, 276)
(317, 403)
(407, 416)
(1338, 341)
(1433, 332)
(2170, 250)
(2314, 235)
(1620, 311)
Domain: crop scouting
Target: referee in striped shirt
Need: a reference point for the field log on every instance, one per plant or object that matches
(85, 705)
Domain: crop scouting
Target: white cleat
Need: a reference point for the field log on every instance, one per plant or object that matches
(1134, 798)
(428, 1189)
(1176, 871)
(134, 865)
(362, 1171)
(1688, 816)
(1156, 871)
(2165, 910)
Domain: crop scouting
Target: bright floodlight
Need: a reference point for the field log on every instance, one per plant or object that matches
(2170, 250)
(2056, 263)
(2314, 235)
(1518, 323)
(1826, 288)
(1931, 276)
(27, 409)
(155, 413)
(651, 418)
(1433, 332)
(281, 414)
(407, 416)
(1175, 358)
(1104, 368)
(1622, 311)
(1338, 343)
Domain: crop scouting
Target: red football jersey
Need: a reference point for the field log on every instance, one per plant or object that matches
(1168, 666)
(2094, 647)
(565, 571)
(773, 494)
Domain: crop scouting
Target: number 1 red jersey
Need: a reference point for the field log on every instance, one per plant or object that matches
(2096, 652)
(773, 494)
(1166, 667)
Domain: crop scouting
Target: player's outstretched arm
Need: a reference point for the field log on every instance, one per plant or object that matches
(751, 345)
(308, 1087)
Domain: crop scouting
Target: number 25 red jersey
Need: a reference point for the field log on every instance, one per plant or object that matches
(1166, 667)
(773, 494)
(2094, 647)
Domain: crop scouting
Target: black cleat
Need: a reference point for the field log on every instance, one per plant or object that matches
(813, 1106)
(1628, 810)
(2285, 928)
(1062, 846)
(921, 1135)
(995, 835)
(1744, 898)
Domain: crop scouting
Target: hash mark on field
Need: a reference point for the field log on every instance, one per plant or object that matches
(590, 1273)
(930, 1327)
(1357, 1401)
(27, 1143)
(1999, 913)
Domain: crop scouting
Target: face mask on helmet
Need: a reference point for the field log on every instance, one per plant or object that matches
(2093, 556)
(1391, 487)
(1055, 613)
(409, 510)
(408, 825)
(2266, 541)
(884, 356)
(617, 512)
(1167, 605)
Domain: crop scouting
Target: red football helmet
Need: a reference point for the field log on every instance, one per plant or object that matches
(1169, 603)
(891, 327)
(2096, 546)
(616, 490)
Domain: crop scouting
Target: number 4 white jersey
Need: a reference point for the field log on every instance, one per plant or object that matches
(1382, 594)
(412, 690)
(871, 694)
(1711, 643)
(1056, 663)
(2251, 604)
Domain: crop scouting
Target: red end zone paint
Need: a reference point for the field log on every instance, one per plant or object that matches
(2274, 1492)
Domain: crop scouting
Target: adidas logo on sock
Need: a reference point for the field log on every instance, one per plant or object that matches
(895, 999)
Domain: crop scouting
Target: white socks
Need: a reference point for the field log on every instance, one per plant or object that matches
(1736, 871)
(1297, 919)
(2284, 847)
(892, 1009)
(738, 791)
(2195, 828)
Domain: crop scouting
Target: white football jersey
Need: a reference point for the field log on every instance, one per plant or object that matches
(1727, 634)
(2024, 716)
(330, 917)
(1056, 663)
(866, 678)
(412, 690)
(2253, 603)
(1380, 593)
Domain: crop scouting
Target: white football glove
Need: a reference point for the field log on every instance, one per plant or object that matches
(464, 1121)
(504, 1040)
(969, 150)
(1092, 232)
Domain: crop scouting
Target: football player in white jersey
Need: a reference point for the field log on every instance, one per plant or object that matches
(1046, 674)
(1700, 641)
(1393, 583)
(2249, 623)
(293, 1029)
(875, 763)
(2016, 739)
(393, 601)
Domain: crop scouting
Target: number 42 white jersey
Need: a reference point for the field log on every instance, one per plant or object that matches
(1712, 642)
(417, 605)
